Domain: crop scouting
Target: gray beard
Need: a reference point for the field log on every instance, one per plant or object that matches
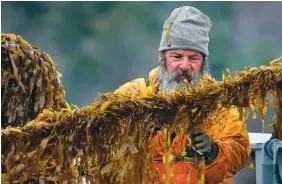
(168, 82)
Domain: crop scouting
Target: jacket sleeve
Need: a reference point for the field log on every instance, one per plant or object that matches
(135, 87)
(234, 147)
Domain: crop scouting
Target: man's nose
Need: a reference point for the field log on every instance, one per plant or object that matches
(185, 64)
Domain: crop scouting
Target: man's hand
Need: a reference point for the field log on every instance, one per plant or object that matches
(204, 144)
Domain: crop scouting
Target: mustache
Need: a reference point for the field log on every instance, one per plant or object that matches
(184, 73)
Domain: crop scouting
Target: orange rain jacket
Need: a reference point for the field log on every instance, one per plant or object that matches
(226, 129)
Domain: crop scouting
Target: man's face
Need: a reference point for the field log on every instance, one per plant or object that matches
(177, 65)
(184, 60)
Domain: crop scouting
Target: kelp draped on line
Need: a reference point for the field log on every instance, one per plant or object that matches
(108, 141)
(29, 82)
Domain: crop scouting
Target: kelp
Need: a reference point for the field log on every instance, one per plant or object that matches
(30, 82)
(108, 141)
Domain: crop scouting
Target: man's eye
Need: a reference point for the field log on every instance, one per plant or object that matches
(177, 57)
(194, 59)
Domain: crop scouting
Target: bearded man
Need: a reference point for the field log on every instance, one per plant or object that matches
(183, 56)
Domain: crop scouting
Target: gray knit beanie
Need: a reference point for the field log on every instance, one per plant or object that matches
(186, 28)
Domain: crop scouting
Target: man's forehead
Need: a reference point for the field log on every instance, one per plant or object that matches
(183, 52)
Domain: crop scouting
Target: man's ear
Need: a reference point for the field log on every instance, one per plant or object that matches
(161, 55)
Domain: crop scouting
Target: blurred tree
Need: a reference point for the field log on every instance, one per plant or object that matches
(263, 52)
(76, 19)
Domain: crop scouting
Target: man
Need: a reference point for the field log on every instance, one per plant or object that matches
(183, 55)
